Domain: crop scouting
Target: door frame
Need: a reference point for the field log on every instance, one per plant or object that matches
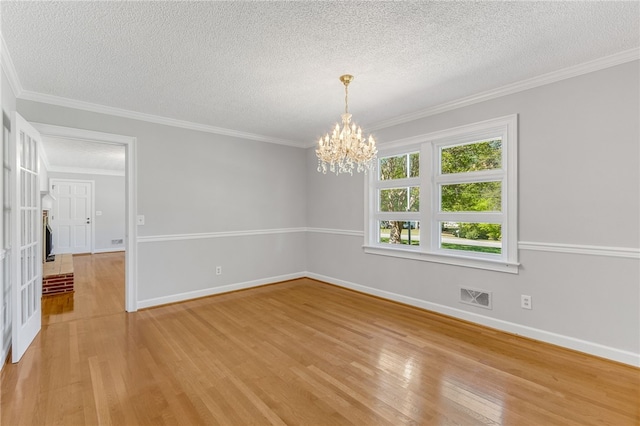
(92, 207)
(131, 234)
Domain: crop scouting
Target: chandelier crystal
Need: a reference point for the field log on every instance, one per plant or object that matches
(346, 149)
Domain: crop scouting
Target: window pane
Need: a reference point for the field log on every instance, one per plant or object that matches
(399, 232)
(396, 199)
(414, 164)
(396, 167)
(393, 167)
(476, 237)
(472, 157)
(414, 199)
(472, 197)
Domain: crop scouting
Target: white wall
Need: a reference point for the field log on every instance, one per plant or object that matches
(110, 200)
(578, 188)
(8, 106)
(208, 201)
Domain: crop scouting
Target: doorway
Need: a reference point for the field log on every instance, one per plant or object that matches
(129, 240)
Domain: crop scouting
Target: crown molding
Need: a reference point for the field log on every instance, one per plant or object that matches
(9, 69)
(79, 170)
(157, 119)
(80, 134)
(541, 80)
(552, 77)
(19, 92)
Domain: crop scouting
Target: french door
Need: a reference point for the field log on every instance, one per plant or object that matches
(26, 230)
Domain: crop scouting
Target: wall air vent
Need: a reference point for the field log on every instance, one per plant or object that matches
(476, 297)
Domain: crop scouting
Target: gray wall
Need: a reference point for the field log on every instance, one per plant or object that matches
(208, 201)
(578, 186)
(214, 200)
(110, 200)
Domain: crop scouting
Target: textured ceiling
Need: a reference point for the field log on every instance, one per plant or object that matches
(272, 68)
(64, 154)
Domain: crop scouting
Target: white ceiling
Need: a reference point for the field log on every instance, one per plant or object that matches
(270, 69)
(76, 155)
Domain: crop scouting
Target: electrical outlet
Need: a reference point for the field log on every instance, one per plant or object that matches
(218, 270)
(525, 301)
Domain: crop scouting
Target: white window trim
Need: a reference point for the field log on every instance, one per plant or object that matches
(428, 145)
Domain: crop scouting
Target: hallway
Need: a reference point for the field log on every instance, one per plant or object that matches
(99, 290)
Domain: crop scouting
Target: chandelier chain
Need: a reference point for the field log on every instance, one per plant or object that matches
(346, 98)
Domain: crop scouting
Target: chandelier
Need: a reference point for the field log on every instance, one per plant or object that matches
(346, 149)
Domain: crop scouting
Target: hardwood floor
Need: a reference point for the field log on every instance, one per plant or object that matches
(99, 282)
(298, 352)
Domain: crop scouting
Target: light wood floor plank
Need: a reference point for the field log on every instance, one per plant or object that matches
(294, 353)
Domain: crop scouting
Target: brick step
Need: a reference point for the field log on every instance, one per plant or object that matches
(58, 275)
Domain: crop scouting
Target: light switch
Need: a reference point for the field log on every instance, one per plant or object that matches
(98, 212)
(140, 219)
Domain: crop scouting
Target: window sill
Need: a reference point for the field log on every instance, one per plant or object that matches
(469, 262)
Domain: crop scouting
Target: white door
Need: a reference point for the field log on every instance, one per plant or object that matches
(71, 216)
(26, 232)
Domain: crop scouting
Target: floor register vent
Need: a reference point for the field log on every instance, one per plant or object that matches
(476, 297)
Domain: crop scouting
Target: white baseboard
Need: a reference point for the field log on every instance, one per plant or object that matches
(625, 357)
(181, 297)
(591, 348)
(107, 250)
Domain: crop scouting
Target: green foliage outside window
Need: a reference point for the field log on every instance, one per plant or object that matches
(396, 167)
(396, 199)
(480, 231)
(472, 157)
(472, 197)
(476, 196)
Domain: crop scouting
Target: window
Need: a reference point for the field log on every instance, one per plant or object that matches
(399, 199)
(448, 197)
